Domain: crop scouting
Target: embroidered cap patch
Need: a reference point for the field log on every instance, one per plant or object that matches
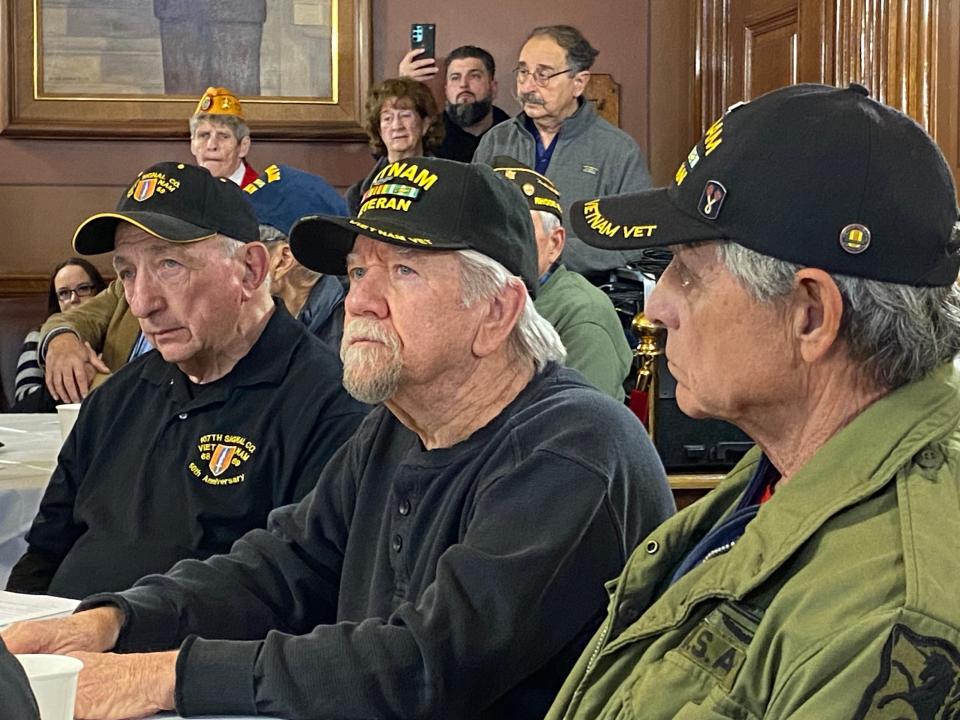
(712, 199)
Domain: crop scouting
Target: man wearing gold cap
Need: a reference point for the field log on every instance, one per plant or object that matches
(220, 138)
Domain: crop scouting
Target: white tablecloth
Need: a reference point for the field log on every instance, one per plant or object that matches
(28, 456)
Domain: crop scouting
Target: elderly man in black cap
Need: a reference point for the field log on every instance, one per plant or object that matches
(79, 350)
(812, 301)
(437, 571)
(580, 313)
(187, 448)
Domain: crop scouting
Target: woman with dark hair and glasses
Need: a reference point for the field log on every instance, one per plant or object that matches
(73, 282)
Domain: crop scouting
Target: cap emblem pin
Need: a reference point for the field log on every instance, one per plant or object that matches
(855, 238)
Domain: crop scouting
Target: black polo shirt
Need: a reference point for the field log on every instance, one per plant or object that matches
(158, 469)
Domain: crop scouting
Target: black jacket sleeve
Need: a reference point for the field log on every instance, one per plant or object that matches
(526, 578)
(16, 698)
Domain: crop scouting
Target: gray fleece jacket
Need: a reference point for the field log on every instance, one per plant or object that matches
(591, 158)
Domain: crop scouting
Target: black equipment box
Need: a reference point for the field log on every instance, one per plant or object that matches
(689, 445)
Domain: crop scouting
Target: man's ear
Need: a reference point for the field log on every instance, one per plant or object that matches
(580, 81)
(256, 265)
(284, 261)
(493, 90)
(555, 242)
(817, 312)
(244, 147)
(503, 313)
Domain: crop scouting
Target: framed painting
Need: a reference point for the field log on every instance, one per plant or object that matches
(136, 68)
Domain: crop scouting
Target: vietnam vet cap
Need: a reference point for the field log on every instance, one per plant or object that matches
(282, 195)
(219, 101)
(428, 204)
(810, 174)
(538, 190)
(174, 202)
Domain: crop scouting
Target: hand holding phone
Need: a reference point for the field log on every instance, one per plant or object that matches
(420, 62)
(423, 35)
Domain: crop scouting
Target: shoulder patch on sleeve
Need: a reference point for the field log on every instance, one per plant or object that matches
(919, 679)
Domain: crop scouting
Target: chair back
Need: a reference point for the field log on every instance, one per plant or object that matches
(18, 316)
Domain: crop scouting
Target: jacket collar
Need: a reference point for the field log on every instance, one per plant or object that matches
(856, 463)
(266, 362)
(582, 120)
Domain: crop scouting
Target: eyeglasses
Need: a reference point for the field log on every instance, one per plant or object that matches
(81, 291)
(541, 77)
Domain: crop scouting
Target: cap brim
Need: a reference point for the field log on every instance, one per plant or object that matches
(322, 242)
(97, 233)
(649, 218)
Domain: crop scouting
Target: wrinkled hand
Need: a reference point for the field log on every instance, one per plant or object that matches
(92, 630)
(113, 687)
(420, 70)
(70, 367)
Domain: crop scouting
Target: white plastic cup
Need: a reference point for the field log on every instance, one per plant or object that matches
(53, 679)
(67, 415)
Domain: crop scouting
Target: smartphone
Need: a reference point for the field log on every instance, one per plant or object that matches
(423, 35)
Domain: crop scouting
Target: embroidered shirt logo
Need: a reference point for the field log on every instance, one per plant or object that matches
(221, 458)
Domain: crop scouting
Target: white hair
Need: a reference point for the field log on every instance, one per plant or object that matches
(548, 221)
(300, 274)
(230, 246)
(899, 332)
(533, 338)
(238, 127)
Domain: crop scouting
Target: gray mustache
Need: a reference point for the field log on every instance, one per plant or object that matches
(530, 99)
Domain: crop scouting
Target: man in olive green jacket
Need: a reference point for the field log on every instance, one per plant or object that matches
(812, 301)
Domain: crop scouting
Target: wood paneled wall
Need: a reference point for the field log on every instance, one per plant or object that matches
(48, 186)
(907, 52)
(679, 63)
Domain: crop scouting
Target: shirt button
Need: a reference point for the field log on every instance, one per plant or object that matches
(182, 416)
(628, 612)
(404, 507)
(397, 543)
(652, 547)
(930, 458)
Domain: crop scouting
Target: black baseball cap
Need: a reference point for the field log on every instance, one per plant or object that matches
(174, 202)
(538, 190)
(810, 174)
(428, 204)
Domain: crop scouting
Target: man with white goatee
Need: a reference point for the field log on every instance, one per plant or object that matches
(437, 570)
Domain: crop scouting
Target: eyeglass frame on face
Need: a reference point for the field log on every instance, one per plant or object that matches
(81, 291)
(541, 78)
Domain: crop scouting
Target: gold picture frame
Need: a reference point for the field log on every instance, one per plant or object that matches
(86, 101)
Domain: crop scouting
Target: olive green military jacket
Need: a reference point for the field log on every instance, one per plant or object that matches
(841, 599)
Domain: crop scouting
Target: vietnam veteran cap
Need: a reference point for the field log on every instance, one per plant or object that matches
(281, 195)
(219, 101)
(428, 204)
(174, 202)
(810, 174)
(539, 190)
